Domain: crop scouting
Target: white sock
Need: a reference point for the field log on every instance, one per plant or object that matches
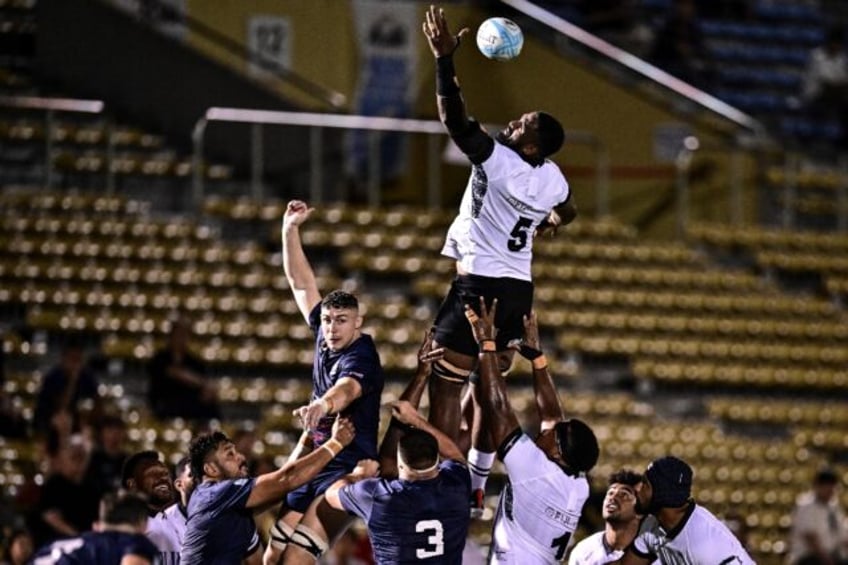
(479, 464)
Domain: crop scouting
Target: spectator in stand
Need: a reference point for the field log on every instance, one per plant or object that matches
(12, 422)
(679, 46)
(104, 469)
(818, 534)
(63, 391)
(826, 80)
(179, 386)
(19, 548)
(67, 506)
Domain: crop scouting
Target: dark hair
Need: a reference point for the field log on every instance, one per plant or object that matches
(200, 448)
(134, 462)
(419, 449)
(835, 35)
(340, 299)
(626, 477)
(181, 465)
(551, 134)
(826, 477)
(125, 508)
(578, 444)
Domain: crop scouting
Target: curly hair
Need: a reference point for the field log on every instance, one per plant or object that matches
(340, 299)
(200, 448)
(625, 477)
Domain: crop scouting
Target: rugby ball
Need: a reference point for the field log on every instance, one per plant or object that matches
(500, 39)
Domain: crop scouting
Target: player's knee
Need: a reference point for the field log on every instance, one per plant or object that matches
(449, 372)
(280, 536)
(309, 540)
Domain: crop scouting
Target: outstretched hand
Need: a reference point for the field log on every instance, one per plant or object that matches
(482, 325)
(427, 354)
(343, 430)
(435, 27)
(404, 412)
(297, 211)
(531, 334)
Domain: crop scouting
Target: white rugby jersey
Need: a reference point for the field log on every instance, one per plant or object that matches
(538, 509)
(594, 550)
(166, 530)
(700, 539)
(504, 202)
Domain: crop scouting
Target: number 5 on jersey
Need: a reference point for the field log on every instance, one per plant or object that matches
(518, 235)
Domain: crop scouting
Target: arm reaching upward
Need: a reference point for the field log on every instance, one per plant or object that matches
(404, 412)
(547, 400)
(412, 394)
(298, 271)
(490, 393)
(466, 133)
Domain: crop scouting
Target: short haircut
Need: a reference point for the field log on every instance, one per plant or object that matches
(578, 444)
(134, 462)
(200, 448)
(340, 299)
(419, 449)
(181, 466)
(551, 134)
(626, 477)
(826, 477)
(125, 508)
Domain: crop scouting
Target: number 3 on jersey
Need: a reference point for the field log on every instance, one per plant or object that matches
(435, 543)
(518, 235)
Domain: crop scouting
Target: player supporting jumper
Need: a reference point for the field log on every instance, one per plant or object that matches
(220, 526)
(541, 504)
(513, 191)
(678, 530)
(347, 379)
(416, 512)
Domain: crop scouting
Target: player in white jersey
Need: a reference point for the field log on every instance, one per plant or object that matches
(678, 531)
(512, 192)
(622, 523)
(542, 502)
(167, 528)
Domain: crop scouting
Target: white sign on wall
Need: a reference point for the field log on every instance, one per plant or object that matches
(269, 39)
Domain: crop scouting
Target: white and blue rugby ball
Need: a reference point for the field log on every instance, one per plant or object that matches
(500, 39)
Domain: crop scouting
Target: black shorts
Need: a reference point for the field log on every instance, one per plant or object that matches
(515, 300)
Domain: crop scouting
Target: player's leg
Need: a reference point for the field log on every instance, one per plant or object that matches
(320, 527)
(280, 535)
(449, 374)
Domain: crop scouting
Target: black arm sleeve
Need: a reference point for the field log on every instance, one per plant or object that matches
(466, 133)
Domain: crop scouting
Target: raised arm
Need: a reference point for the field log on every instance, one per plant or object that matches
(547, 400)
(466, 133)
(490, 393)
(364, 469)
(404, 412)
(412, 394)
(298, 271)
(273, 486)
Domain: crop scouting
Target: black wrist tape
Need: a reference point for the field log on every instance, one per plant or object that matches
(529, 353)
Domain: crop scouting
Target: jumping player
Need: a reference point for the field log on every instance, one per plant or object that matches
(513, 192)
(347, 379)
(541, 504)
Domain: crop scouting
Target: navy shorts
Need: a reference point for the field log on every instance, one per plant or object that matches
(515, 300)
(300, 498)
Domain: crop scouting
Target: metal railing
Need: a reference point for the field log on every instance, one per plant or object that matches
(71, 105)
(317, 122)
